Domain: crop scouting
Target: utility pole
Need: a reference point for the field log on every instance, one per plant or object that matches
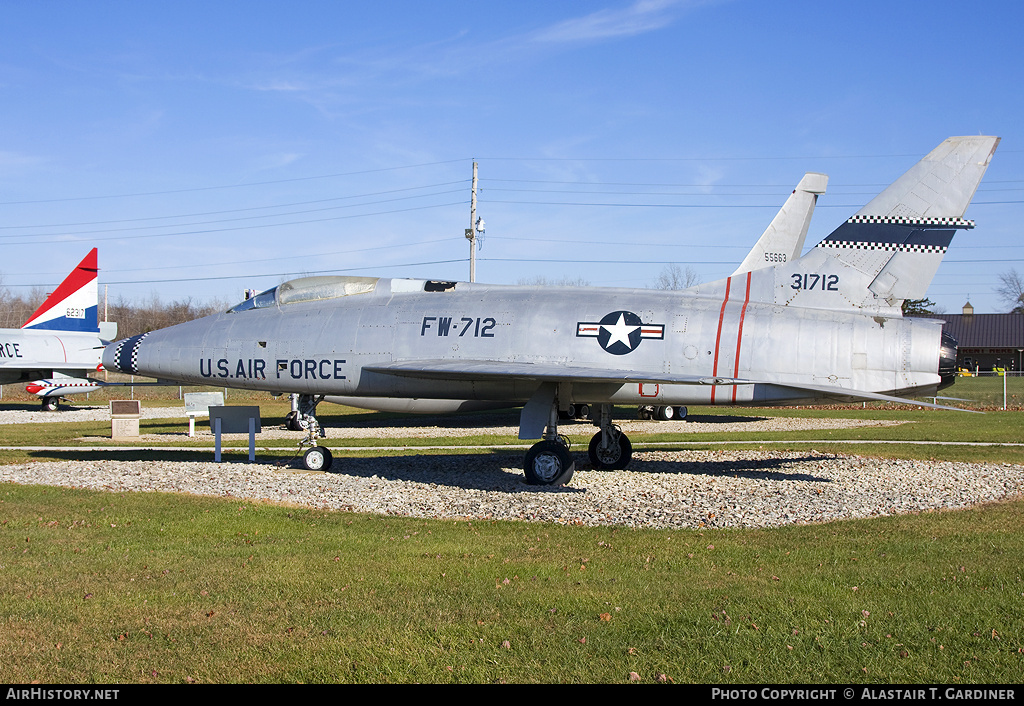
(471, 231)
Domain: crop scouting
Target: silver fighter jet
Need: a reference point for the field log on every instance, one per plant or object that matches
(823, 327)
(782, 241)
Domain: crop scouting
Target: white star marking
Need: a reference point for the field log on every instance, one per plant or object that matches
(619, 332)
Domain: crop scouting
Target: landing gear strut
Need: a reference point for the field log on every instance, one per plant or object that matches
(293, 420)
(316, 458)
(549, 462)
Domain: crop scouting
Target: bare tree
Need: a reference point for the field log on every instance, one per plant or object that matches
(1011, 291)
(135, 318)
(15, 309)
(674, 277)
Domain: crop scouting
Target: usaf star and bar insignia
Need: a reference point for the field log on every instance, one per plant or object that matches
(620, 332)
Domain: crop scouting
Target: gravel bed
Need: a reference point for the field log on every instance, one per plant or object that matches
(662, 489)
(420, 429)
(82, 414)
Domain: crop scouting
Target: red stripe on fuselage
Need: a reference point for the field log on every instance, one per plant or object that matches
(718, 338)
(739, 336)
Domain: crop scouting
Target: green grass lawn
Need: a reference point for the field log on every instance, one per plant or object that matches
(163, 588)
(146, 587)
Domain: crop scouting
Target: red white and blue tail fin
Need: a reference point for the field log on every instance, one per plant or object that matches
(73, 305)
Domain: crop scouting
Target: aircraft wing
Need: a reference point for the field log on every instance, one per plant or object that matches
(452, 369)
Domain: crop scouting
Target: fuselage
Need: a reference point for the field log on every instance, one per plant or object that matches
(323, 345)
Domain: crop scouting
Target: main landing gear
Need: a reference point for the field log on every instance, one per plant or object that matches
(549, 462)
(316, 458)
(610, 449)
(662, 414)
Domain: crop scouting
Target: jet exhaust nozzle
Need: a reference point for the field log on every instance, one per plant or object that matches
(947, 360)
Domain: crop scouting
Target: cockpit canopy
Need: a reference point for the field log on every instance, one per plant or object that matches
(308, 289)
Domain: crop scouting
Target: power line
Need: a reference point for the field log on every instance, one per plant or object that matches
(684, 205)
(302, 273)
(675, 184)
(242, 218)
(232, 186)
(362, 172)
(250, 208)
(691, 159)
(224, 230)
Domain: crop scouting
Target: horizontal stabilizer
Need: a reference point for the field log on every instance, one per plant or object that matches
(843, 394)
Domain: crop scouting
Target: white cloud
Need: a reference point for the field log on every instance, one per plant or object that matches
(640, 17)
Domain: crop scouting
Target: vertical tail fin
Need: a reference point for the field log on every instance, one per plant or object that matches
(898, 240)
(73, 305)
(783, 240)
(888, 251)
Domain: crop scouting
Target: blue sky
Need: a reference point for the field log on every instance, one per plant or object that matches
(206, 148)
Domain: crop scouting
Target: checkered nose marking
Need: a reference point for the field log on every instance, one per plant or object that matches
(126, 354)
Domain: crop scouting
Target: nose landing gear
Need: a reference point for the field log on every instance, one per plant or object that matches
(316, 458)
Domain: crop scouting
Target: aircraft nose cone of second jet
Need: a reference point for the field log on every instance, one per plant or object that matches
(123, 356)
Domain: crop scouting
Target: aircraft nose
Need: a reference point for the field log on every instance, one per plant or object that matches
(123, 356)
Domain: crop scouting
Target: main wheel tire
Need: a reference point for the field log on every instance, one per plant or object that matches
(317, 458)
(665, 413)
(548, 463)
(681, 413)
(50, 404)
(614, 459)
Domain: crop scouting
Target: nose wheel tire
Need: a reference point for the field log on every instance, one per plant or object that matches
(294, 422)
(317, 458)
(549, 463)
